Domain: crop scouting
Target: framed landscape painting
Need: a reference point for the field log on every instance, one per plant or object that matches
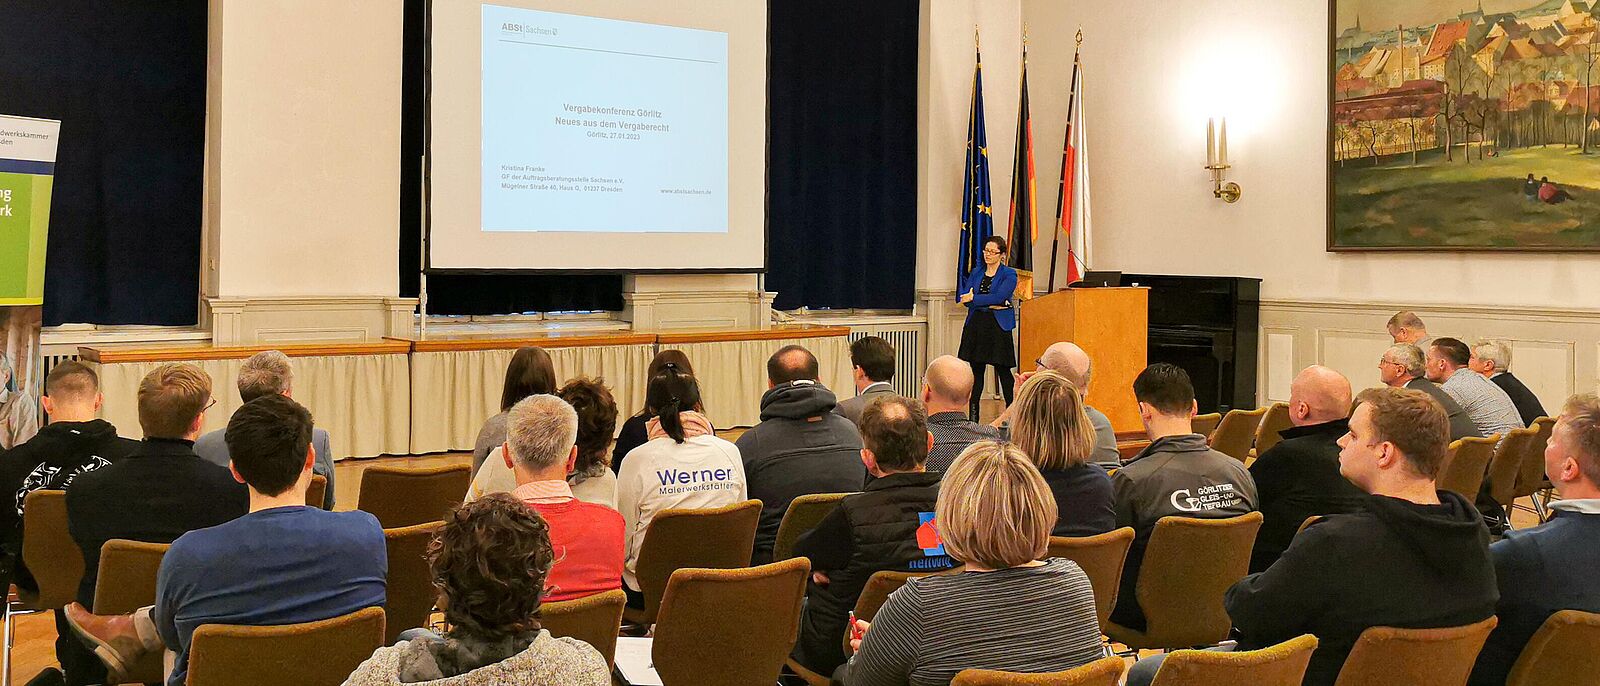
(1464, 125)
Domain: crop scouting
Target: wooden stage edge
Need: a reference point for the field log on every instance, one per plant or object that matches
(400, 345)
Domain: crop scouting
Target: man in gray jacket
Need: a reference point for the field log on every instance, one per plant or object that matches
(872, 362)
(1177, 475)
(268, 373)
(801, 445)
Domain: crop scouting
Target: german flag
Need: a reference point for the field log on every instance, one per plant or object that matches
(1024, 228)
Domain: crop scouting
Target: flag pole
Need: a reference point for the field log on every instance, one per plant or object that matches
(1066, 142)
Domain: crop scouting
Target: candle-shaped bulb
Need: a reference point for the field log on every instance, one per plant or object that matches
(1211, 141)
(1222, 144)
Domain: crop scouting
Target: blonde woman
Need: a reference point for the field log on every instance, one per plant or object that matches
(1052, 428)
(1009, 610)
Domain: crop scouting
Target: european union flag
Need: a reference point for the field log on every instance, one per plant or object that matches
(977, 220)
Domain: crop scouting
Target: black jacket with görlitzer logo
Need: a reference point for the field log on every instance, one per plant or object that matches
(1176, 476)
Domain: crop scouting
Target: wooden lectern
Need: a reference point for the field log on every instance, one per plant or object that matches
(1111, 324)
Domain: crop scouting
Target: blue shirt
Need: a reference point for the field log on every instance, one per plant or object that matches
(1541, 570)
(285, 565)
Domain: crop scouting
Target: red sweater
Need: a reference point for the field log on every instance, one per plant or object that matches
(587, 539)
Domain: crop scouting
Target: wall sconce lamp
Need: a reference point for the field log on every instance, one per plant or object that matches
(1217, 162)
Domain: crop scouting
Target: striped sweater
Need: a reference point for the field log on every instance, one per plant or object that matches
(1023, 619)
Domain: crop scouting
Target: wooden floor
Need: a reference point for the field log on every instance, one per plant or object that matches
(34, 647)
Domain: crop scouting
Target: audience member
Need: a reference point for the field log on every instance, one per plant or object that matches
(872, 364)
(1407, 327)
(683, 465)
(489, 562)
(1490, 409)
(19, 417)
(590, 480)
(73, 443)
(1069, 360)
(1492, 359)
(1416, 557)
(1053, 430)
(801, 446)
(633, 433)
(541, 431)
(1550, 567)
(530, 372)
(1403, 366)
(160, 492)
(1299, 477)
(946, 389)
(266, 373)
(888, 527)
(591, 477)
(283, 563)
(1177, 475)
(1010, 609)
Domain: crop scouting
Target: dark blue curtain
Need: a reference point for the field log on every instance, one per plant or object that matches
(128, 82)
(470, 293)
(842, 155)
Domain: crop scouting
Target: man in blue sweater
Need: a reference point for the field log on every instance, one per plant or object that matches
(1551, 567)
(283, 563)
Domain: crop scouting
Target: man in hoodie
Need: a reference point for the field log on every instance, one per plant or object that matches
(801, 445)
(73, 443)
(1178, 475)
(1550, 567)
(1299, 477)
(1416, 557)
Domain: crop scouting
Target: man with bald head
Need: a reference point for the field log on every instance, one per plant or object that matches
(946, 390)
(1069, 360)
(1299, 477)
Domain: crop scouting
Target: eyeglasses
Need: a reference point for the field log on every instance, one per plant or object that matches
(990, 251)
(209, 405)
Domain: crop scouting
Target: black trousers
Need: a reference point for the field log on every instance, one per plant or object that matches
(1002, 374)
(77, 660)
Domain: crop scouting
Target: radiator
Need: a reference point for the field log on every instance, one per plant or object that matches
(909, 354)
(50, 362)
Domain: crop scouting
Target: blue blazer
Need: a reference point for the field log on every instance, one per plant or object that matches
(1001, 291)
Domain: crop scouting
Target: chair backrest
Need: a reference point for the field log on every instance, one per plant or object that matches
(1437, 657)
(1276, 419)
(403, 496)
(322, 653)
(1507, 463)
(49, 551)
(1188, 566)
(1280, 665)
(1237, 432)
(712, 538)
(1566, 650)
(1530, 477)
(410, 590)
(1101, 557)
(317, 491)
(729, 627)
(594, 619)
(1106, 671)
(127, 579)
(1205, 424)
(1465, 465)
(803, 515)
(880, 585)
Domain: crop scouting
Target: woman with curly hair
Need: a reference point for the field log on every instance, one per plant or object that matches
(489, 562)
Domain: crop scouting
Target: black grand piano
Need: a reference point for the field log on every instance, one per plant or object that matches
(1209, 326)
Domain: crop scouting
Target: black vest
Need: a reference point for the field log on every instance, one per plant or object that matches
(885, 521)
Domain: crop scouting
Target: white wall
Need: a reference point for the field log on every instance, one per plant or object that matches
(945, 63)
(303, 148)
(1152, 77)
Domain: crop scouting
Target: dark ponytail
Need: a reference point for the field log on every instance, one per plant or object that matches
(672, 391)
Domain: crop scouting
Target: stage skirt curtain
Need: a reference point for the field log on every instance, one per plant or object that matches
(361, 400)
(454, 392)
(733, 374)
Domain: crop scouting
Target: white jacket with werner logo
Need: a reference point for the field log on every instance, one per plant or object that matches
(702, 472)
